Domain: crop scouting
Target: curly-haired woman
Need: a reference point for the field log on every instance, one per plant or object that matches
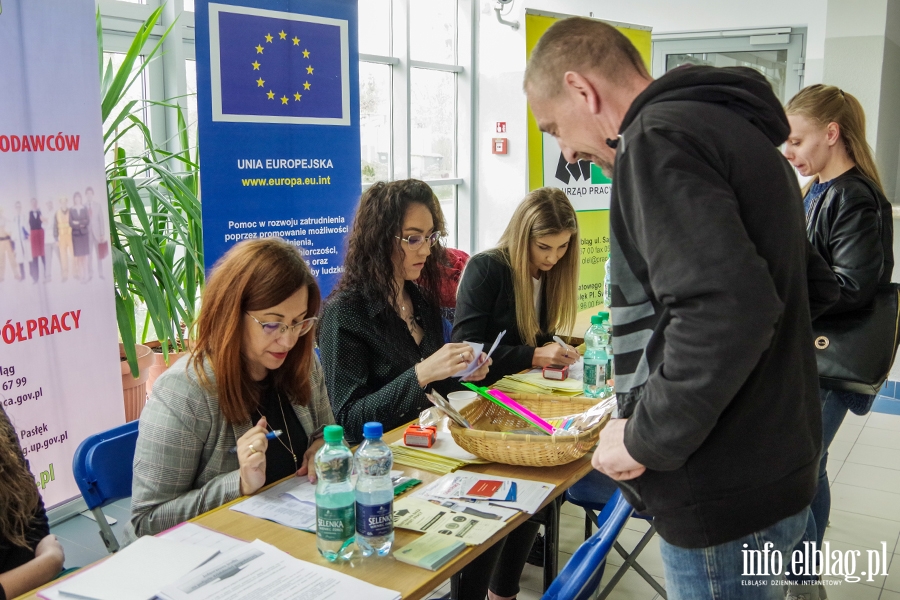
(29, 555)
(381, 335)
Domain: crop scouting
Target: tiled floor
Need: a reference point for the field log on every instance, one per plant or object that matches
(864, 468)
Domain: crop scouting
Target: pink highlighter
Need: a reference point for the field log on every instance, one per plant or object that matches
(504, 401)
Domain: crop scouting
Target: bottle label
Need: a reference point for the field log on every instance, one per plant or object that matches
(594, 375)
(376, 520)
(335, 524)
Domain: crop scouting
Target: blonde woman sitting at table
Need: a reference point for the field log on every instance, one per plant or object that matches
(252, 370)
(527, 286)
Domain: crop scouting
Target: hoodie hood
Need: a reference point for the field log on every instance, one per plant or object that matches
(740, 89)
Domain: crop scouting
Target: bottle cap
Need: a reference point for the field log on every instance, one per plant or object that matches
(333, 434)
(372, 430)
(596, 320)
(604, 315)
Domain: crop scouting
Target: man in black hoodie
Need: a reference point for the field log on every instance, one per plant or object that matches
(719, 431)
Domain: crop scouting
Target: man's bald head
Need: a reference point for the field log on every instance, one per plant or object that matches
(584, 46)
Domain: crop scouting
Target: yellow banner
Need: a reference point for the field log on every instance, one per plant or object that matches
(585, 185)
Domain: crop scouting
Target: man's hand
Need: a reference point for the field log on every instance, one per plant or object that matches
(611, 457)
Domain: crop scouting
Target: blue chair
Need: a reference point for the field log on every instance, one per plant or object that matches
(103, 471)
(581, 577)
(594, 493)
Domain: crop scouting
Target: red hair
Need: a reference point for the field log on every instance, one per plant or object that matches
(253, 275)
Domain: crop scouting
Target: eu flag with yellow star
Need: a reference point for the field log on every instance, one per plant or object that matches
(280, 69)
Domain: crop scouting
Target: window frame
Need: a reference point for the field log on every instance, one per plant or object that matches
(791, 39)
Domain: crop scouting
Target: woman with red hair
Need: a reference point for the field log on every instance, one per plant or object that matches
(252, 370)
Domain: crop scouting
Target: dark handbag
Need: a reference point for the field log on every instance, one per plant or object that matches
(855, 350)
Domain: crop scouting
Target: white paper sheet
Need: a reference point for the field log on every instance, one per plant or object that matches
(419, 515)
(136, 572)
(529, 494)
(191, 533)
(279, 505)
(260, 570)
(477, 348)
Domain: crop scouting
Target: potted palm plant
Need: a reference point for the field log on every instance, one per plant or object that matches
(156, 238)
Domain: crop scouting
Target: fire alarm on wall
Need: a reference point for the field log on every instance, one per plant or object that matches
(501, 127)
(498, 146)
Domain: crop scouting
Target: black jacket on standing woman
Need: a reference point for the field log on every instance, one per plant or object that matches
(850, 224)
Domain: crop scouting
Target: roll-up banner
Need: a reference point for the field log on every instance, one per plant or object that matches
(59, 359)
(586, 186)
(278, 107)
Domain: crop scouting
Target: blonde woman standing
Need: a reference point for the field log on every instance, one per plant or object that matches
(527, 285)
(848, 220)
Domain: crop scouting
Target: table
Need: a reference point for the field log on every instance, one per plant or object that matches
(412, 582)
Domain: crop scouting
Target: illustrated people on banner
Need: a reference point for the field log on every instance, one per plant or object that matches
(51, 247)
(6, 248)
(79, 221)
(99, 245)
(62, 231)
(36, 237)
(21, 243)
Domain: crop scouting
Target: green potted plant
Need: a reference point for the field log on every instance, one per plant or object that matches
(156, 237)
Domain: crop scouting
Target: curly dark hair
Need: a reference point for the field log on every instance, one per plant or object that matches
(18, 494)
(369, 263)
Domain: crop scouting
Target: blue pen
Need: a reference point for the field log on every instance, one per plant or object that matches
(269, 436)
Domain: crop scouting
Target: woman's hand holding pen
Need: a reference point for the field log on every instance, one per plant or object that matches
(554, 354)
(251, 451)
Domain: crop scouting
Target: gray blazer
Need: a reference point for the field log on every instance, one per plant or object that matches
(182, 463)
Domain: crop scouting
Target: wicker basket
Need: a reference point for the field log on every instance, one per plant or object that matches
(489, 438)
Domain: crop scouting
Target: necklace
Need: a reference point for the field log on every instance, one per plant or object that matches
(409, 318)
(290, 445)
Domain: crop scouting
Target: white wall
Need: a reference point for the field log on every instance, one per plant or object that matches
(503, 180)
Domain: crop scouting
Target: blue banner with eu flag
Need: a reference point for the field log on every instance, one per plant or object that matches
(278, 109)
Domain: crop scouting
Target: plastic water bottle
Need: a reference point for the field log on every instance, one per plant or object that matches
(374, 493)
(607, 287)
(596, 362)
(335, 501)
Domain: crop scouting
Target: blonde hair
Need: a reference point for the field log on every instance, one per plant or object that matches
(546, 211)
(824, 104)
(584, 45)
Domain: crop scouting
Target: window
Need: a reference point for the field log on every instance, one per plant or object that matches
(415, 74)
(375, 121)
(190, 67)
(777, 53)
(127, 137)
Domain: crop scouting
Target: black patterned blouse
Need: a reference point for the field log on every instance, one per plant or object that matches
(369, 359)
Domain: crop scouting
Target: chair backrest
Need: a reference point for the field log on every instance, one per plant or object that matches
(581, 576)
(103, 465)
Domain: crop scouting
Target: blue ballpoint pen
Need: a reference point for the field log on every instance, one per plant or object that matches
(269, 436)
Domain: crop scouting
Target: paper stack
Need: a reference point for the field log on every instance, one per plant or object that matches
(445, 456)
(137, 572)
(259, 570)
(567, 387)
